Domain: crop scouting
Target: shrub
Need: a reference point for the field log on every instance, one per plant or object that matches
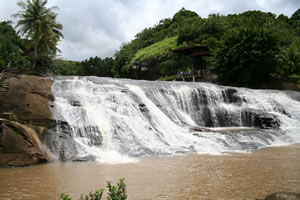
(117, 192)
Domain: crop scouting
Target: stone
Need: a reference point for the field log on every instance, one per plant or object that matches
(25, 106)
(20, 145)
(84, 158)
(28, 98)
(8, 116)
(230, 96)
(259, 119)
(74, 103)
(61, 143)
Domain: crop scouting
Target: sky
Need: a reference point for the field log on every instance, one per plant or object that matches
(99, 27)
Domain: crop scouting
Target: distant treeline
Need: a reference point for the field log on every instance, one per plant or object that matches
(246, 49)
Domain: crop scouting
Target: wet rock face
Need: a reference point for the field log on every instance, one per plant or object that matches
(230, 96)
(60, 141)
(20, 145)
(259, 119)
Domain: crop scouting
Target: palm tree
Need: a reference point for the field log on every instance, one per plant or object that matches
(38, 23)
(290, 60)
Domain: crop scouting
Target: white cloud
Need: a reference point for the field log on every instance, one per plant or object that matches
(98, 27)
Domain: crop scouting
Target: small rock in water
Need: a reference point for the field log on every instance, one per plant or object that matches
(259, 119)
(74, 103)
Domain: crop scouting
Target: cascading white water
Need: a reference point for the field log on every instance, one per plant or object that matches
(119, 119)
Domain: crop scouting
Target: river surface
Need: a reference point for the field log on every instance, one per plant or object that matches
(231, 176)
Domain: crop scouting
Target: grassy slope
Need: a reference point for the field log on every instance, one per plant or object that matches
(158, 49)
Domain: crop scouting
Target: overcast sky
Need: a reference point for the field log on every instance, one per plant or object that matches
(99, 27)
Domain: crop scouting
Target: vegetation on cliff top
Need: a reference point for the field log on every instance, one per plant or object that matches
(157, 50)
(41, 32)
(254, 46)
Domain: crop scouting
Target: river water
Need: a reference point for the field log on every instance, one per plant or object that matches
(158, 135)
(193, 176)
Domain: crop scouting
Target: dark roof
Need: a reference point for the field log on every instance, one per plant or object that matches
(192, 50)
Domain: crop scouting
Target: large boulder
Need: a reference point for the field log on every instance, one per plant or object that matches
(25, 102)
(20, 145)
(27, 97)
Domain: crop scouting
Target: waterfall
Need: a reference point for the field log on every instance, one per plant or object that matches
(119, 120)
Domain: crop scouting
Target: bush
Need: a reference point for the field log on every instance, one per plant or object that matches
(117, 192)
(247, 57)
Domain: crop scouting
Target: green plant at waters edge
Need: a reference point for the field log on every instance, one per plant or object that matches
(115, 192)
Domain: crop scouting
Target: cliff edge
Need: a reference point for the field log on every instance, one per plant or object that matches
(24, 119)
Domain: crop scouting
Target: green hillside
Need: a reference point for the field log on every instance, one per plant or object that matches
(157, 50)
(246, 49)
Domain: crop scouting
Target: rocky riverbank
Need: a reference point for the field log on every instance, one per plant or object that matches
(24, 119)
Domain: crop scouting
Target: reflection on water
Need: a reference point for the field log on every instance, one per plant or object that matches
(233, 176)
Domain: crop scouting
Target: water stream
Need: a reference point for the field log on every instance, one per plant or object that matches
(240, 176)
(121, 120)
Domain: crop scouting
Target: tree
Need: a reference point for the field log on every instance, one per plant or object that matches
(190, 28)
(247, 57)
(95, 66)
(290, 61)
(10, 46)
(66, 67)
(38, 24)
(296, 15)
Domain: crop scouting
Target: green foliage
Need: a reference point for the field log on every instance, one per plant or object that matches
(247, 57)
(115, 192)
(66, 67)
(94, 66)
(97, 67)
(296, 16)
(201, 29)
(156, 50)
(97, 195)
(248, 42)
(122, 58)
(65, 197)
(289, 61)
(155, 57)
(38, 24)
(152, 45)
(10, 46)
(182, 18)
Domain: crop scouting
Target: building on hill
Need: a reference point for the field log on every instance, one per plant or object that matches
(199, 67)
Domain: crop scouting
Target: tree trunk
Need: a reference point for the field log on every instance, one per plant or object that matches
(35, 54)
(36, 47)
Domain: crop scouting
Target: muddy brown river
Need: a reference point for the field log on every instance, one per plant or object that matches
(231, 176)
